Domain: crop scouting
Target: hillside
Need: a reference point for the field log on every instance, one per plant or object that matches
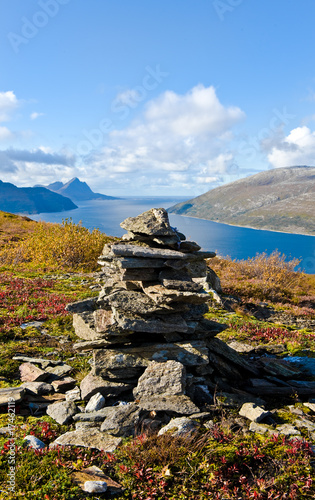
(77, 190)
(282, 199)
(33, 200)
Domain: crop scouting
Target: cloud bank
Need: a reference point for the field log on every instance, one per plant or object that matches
(179, 141)
(297, 148)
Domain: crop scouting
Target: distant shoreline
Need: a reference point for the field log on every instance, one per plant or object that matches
(238, 225)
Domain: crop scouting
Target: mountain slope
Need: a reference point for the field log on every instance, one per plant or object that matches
(77, 190)
(33, 200)
(282, 199)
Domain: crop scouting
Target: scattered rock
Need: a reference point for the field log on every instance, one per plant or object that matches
(38, 388)
(63, 384)
(180, 427)
(95, 486)
(62, 411)
(11, 393)
(31, 373)
(88, 438)
(33, 442)
(97, 402)
(122, 420)
(73, 394)
(253, 412)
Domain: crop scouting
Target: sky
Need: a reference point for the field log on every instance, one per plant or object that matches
(151, 98)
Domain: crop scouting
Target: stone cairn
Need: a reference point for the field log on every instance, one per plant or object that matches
(151, 343)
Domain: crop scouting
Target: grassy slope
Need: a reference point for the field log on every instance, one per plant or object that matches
(281, 200)
(222, 460)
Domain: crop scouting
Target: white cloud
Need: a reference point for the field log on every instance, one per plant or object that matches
(298, 148)
(187, 134)
(34, 116)
(5, 134)
(8, 103)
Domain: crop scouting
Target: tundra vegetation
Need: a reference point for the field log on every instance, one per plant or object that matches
(45, 266)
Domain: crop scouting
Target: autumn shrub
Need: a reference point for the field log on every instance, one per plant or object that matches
(66, 246)
(263, 277)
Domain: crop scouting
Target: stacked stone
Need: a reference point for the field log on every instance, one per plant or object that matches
(147, 329)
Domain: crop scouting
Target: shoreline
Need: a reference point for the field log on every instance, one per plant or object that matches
(238, 225)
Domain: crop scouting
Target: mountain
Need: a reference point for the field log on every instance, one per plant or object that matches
(282, 199)
(33, 200)
(77, 190)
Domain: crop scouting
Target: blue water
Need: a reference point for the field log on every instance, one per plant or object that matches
(236, 242)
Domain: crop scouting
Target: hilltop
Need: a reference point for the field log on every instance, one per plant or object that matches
(77, 190)
(281, 199)
(33, 200)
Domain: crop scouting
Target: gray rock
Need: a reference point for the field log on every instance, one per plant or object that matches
(93, 416)
(303, 363)
(11, 393)
(103, 320)
(59, 370)
(88, 438)
(165, 296)
(95, 486)
(122, 420)
(145, 252)
(33, 442)
(84, 326)
(307, 424)
(87, 425)
(138, 263)
(261, 428)
(90, 344)
(168, 378)
(36, 361)
(31, 373)
(82, 305)
(73, 394)
(64, 384)
(311, 406)
(91, 384)
(288, 430)
(62, 411)
(181, 404)
(154, 222)
(157, 324)
(253, 412)
(97, 402)
(38, 388)
(180, 427)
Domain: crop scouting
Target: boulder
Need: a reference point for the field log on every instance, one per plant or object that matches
(154, 222)
(62, 411)
(122, 420)
(253, 412)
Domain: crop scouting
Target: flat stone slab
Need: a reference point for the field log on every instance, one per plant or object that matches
(123, 360)
(91, 384)
(179, 404)
(9, 393)
(94, 473)
(38, 387)
(37, 361)
(93, 416)
(88, 438)
(163, 324)
(32, 373)
(145, 252)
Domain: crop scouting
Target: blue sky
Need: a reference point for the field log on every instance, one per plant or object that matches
(155, 97)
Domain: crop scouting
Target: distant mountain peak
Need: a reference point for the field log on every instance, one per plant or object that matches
(77, 190)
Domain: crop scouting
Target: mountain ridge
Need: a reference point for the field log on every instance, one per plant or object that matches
(281, 199)
(32, 200)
